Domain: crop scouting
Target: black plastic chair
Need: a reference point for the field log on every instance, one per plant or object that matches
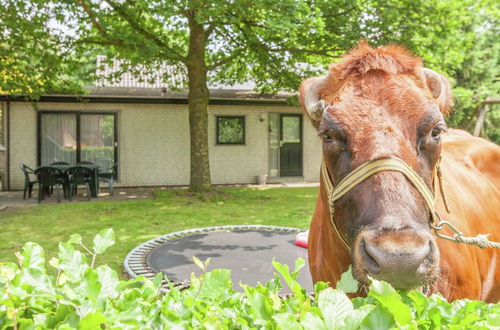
(59, 163)
(49, 177)
(108, 177)
(79, 175)
(84, 162)
(28, 183)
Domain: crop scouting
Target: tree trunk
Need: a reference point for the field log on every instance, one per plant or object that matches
(198, 98)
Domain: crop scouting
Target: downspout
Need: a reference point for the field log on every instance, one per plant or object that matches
(7, 137)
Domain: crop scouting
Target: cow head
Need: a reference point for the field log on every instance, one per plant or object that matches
(373, 104)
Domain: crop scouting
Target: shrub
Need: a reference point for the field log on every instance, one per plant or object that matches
(81, 296)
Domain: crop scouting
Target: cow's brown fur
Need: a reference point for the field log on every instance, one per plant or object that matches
(381, 104)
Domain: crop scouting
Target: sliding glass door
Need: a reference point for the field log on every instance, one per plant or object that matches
(58, 138)
(75, 137)
(97, 139)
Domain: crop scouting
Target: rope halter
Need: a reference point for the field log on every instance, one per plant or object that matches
(363, 172)
(369, 168)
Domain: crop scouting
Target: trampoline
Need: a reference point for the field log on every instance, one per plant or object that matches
(247, 251)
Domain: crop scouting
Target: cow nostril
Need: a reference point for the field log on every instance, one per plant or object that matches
(428, 258)
(369, 260)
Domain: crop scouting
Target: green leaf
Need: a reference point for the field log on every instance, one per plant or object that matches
(217, 284)
(312, 321)
(75, 239)
(347, 282)
(32, 256)
(109, 282)
(72, 262)
(198, 263)
(419, 301)
(335, 306)
(90, 286)
(92, 321)
(391, 300)
(260, 307)
(357, 316)
(493, 320)
(37, 280)
(8, 271)
(104, 240)
(286, 321)
(290, 279)
(378, 318)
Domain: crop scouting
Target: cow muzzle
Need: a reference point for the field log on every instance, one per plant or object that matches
(404, 258)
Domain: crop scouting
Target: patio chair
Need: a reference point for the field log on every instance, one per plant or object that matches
(108, 177)
(28, 183)
(49, 177)
(84, 162)
(59, 163)
(78, 175)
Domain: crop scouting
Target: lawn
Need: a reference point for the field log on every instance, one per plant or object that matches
(137, 221)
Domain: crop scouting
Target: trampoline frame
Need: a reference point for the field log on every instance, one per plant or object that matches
(135, 262)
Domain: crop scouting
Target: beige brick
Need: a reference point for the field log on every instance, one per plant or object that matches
(154, 147)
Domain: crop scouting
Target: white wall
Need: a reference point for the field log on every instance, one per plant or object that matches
(153, 143)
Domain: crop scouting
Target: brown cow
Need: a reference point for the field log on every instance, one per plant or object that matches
(378, 103)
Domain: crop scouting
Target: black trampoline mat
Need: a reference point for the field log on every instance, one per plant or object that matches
(247, 253)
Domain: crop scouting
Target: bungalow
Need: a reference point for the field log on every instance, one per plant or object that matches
(145, 131)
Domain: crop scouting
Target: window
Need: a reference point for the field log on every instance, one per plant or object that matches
(230, 130)
(75, 137)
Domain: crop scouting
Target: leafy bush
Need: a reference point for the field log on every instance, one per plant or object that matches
(81, 296)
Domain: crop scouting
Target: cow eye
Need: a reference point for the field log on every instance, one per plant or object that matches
(436, 131)
(326, 136)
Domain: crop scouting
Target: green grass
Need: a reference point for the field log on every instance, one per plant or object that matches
(137, 221)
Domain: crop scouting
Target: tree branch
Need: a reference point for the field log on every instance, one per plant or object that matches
(342, 13)
(134, 24)
(224, 60)
(93, 19)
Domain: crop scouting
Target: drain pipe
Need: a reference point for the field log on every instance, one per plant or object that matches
(7, 140)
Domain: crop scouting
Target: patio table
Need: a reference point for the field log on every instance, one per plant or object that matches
(94, 183)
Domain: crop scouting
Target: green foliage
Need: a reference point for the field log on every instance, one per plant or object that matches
(230, 130)
(85, 297)
(476, 75)
(37, 56)
(263, 41)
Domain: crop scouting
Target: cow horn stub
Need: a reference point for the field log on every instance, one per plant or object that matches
(314, 104)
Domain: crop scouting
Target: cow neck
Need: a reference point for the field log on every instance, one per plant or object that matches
(363, 172)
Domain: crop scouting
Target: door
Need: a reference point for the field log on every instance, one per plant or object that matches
(290, 145)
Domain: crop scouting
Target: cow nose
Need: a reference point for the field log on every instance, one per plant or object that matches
(400, 265)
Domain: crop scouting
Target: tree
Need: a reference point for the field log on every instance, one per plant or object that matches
(229, 41)
(36, 59)
(477, 78)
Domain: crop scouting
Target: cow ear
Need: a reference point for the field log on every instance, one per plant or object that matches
(310, 97)
(440, 89)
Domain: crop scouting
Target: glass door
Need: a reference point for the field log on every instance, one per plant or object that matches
(290, 145)
(58, 138)
(97, 139)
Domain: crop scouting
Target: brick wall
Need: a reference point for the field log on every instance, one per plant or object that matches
(153, 143)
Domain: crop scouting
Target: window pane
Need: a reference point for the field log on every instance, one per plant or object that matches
(97, 139)
(291, 129)
(58, 138)
(231, 130)
(274, 137)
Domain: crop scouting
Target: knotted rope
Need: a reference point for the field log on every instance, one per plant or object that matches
(371, 167)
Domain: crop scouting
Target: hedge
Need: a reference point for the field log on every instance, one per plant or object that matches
(87, 297)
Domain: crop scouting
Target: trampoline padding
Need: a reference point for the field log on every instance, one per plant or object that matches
(247, 253)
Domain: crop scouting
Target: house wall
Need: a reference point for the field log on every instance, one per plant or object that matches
(153, 143)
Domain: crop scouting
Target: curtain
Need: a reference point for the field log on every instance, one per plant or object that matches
(58, 138)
